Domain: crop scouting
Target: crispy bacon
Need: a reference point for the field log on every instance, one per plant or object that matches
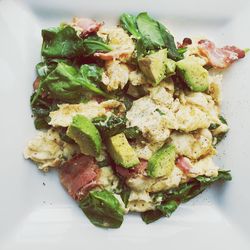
(186, 41)
(219, 57)
(79, 175)
(128, 172)
(183, 164)
(85, 25)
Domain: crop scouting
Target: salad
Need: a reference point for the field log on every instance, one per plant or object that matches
(129, 118)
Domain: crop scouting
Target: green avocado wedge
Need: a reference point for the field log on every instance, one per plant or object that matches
(153, 66)
(162, 162)
(121, 151)
(193, 74)
(86, 135)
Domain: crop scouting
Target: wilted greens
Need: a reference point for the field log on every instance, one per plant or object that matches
(186, 191)
(103, 209)
(150, 35)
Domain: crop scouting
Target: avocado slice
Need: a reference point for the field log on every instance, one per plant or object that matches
(153, 66)
(193, 74)
(85, 134)
(121, 152)
(170, 67)
(162, 162)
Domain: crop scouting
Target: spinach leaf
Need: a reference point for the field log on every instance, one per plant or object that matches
(151, 216)
(168, 207)
(222, 119)
(45, 67)
(41, 123)
(169, 42)
(186, 191)
(151, 35)
(102, 209)
(63, 42)
(149, 28)
(109, 126)
(213, 126)
(219, 137)
(125, 193)
(67, 83)
(128, 22)
(94, 44)
(132, 132)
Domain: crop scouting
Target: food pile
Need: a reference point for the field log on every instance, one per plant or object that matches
(129, 118)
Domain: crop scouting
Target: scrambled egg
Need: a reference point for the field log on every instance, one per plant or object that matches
(137, 78)
(64, 115)
(205, 167)
(149, 118)
(193, 145)
(118, 75)
(140, 202)
(107, 179)
(48, 150)
(121, 43)
(143, 183)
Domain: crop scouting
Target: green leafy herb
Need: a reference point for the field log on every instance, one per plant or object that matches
(151, 216)
(160, 112)
(63, 42)
(67, 83)
(103, 209)
(213, 126)
(151, 35)
(109, 126)
(95, 44)
(41, 123)
(219, 137)
(149, 29)
(186, 191)
(168, 207)
(128, 22)
(222, 119)
(132, 132)
(168, 38)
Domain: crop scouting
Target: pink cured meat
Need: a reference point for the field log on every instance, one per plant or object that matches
(79, 175)
(219, 57)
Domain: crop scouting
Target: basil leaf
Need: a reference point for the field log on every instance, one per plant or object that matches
(128, 22)
(63, 42)
(102, 209)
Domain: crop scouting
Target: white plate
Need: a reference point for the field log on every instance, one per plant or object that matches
(38, 216)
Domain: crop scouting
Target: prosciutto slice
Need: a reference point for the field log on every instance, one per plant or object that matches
(86, 26)
(219, 57)
(128, 172)
(79, 175)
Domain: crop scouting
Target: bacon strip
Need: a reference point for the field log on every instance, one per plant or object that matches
(79, 175)
(128, 172)
(85, 25)
(219, 57)
(183, 164)
(185, 42)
